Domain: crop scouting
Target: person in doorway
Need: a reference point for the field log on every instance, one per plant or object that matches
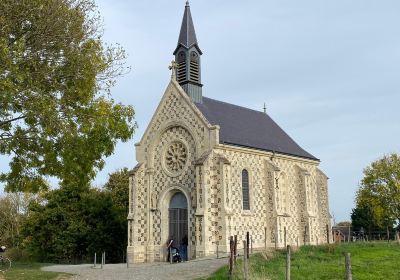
(169, 245)
(183, 247)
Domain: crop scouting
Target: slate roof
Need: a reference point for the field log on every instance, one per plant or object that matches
(187, 36)
(244, 127)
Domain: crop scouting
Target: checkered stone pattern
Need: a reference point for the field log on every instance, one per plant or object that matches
(162, 180)
(214, 201)
(175, 108)
(323, 210)
(253, 220)
(293, 198)
(139, 207)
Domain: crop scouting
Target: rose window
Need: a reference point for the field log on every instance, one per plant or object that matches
(176, 157)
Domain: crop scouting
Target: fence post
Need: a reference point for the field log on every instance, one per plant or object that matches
(288, 253)
(217, 249)
(284, 236)
(349, 234)
(248, 243)
(235, 250)
(265, 238)
(94, 260)
(327, 234)
(231, 256)
(348, 267)
(245, 260)
(387, 234)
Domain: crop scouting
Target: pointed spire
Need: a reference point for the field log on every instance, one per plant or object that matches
(187, 36)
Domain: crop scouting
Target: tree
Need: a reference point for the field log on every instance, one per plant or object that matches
(362, 217)
(56, 114)
(71, 227)
(118, 186)
(380, 190)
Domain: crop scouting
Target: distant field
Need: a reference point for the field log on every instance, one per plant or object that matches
(31, 271)
(370, 261)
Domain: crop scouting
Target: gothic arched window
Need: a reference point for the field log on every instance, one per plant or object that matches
(245, 190)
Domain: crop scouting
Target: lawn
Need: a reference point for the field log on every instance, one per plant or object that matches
(31, 271)
(372, 261)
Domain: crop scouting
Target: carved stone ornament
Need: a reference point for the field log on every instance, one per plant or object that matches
(175, 158)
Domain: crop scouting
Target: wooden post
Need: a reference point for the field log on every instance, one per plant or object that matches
(248, 243)
(288, 253)
(231, 256)
(387, 234)
(127, 259)
(327, 234)
(348, 267)
(217, 250)
(265, 238)
(284, 236)
(94, 260)
(235, 250)
(349, 234)
(245, 260)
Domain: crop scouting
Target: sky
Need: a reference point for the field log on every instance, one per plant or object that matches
(328, 71)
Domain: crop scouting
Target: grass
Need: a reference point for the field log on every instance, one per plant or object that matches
(31, 271)
(378, 260)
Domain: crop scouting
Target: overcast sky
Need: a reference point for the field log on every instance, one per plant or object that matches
(329, 72)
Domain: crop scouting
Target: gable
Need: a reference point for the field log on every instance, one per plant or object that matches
(176, 110)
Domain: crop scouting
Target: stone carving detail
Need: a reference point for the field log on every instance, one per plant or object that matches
(176, 157)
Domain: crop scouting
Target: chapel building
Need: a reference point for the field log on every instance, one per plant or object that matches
(208, 169)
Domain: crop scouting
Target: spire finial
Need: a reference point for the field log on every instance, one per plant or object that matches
(265, 109)
(187, 3)
(173, 67)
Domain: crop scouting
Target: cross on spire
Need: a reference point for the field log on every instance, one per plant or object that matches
(173, 67)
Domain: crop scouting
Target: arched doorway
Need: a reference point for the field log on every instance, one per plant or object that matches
(178, 218)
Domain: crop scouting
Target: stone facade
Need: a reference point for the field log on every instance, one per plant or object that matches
(180, 152)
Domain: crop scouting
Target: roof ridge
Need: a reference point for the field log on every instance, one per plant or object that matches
(240, 106)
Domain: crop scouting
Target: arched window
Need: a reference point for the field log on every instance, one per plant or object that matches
(245, 190)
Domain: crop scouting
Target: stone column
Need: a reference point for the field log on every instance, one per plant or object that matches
(150, 240)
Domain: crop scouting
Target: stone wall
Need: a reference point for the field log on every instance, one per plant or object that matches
(179, 152)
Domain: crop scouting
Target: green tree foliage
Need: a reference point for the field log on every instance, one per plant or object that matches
(362, 217)
(71, 227)
(13, 209)
(56, 114)
(380, 190)
(118, 186)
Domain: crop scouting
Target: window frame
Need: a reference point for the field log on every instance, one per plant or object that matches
(248, 190)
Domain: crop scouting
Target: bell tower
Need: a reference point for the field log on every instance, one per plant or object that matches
(187, 56)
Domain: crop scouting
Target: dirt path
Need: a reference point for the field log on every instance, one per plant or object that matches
(155, 271)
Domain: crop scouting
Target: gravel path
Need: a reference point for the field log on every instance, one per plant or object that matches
(153, 271)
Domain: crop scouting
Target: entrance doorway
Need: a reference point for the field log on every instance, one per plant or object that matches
(178, 218)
